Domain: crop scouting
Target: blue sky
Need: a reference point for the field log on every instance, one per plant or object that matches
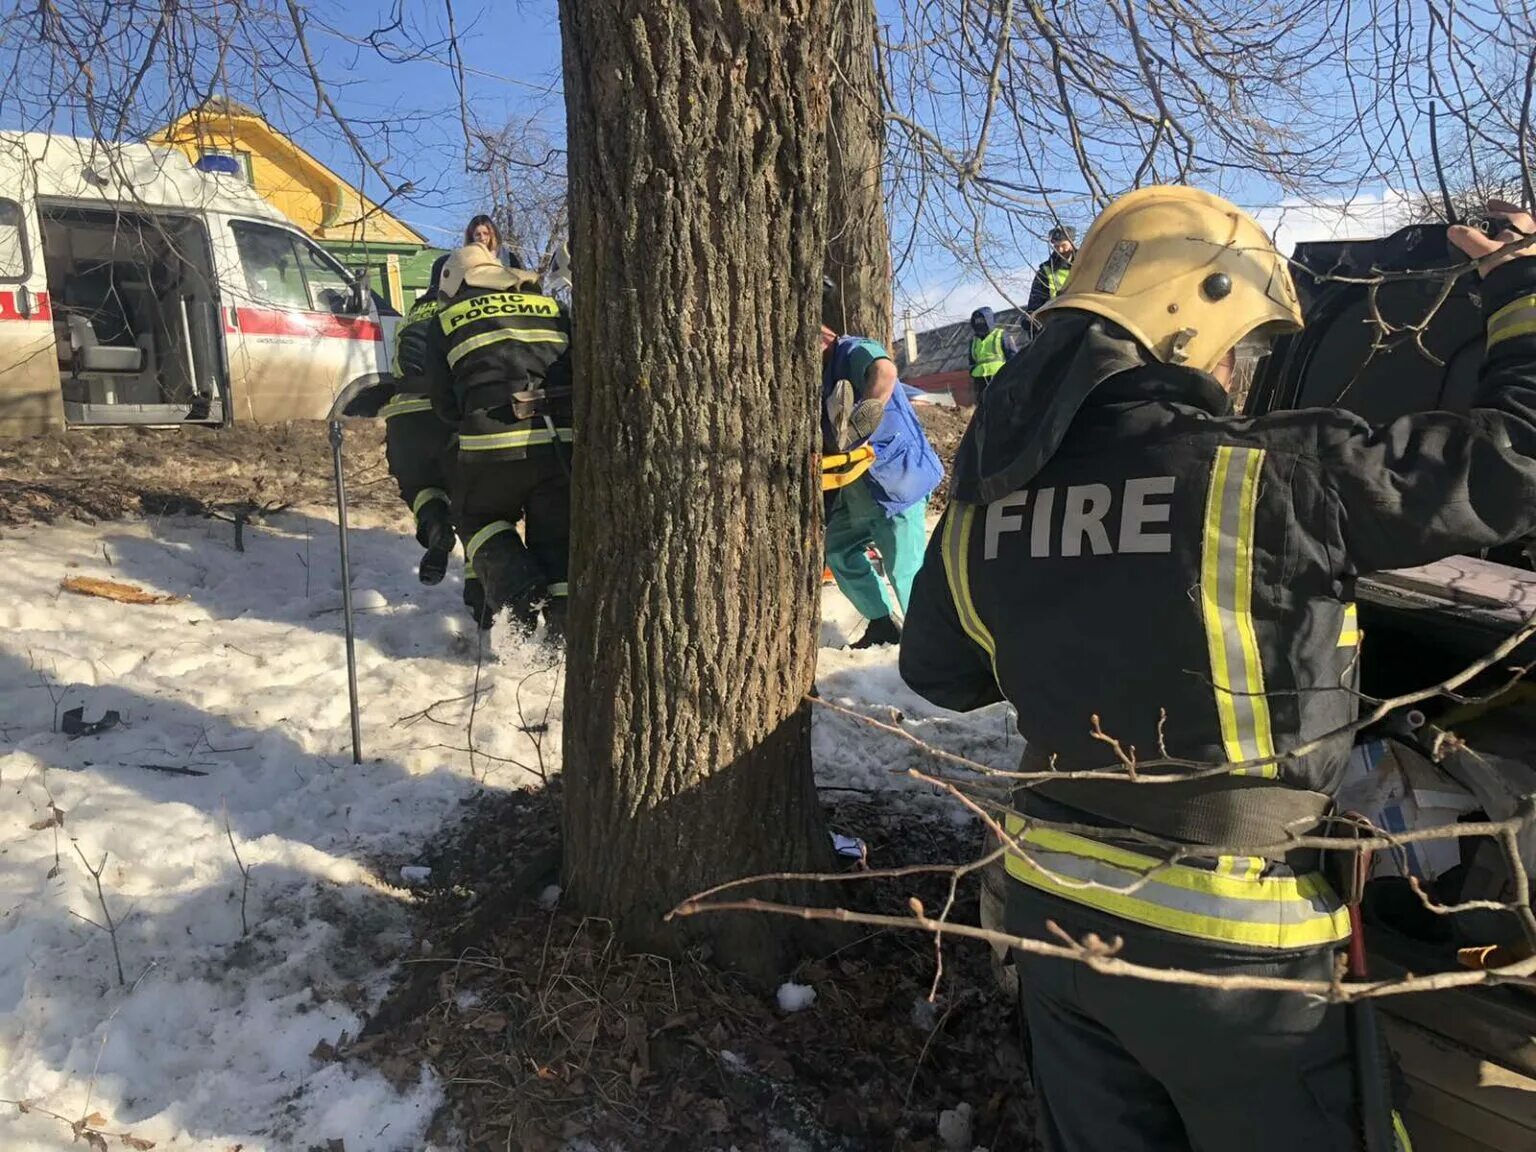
(511, 64)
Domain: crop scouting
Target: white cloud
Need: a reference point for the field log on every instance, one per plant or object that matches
(938, 301)
(1362, 217)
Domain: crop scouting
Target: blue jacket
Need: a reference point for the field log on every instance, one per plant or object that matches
(906, 468)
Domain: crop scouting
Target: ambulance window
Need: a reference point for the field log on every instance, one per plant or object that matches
(14, 264)
(271, 262)
(330, 288)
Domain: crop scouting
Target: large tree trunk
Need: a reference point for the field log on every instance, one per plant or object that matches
(858, 238)
(697, 176)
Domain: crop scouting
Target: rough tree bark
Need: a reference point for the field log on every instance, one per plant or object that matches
(858, 237)
(697, 172)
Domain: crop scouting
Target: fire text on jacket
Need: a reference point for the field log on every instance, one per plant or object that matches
(1087, 512)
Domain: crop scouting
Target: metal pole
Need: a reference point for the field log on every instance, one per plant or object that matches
(346, 592)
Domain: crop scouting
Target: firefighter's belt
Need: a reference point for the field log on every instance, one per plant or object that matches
(535, 401)
(842, 468)
(1234, 812)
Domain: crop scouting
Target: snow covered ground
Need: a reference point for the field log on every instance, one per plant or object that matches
(234, 738)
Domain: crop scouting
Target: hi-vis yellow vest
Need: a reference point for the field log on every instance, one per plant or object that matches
(987, 353)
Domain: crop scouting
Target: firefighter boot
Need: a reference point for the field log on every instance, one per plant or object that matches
(474, 600)
(881, 631)
(512, 579)
(434, 532)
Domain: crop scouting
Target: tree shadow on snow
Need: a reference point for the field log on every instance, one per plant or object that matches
(264, 779)
(232, 1033)
(316, 937)
(290, 573)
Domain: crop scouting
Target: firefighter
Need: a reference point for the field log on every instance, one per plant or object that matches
(991, 347)
(1051, 276)
(417, 442)
(499, 370)
(877, 472)
(1123, 553)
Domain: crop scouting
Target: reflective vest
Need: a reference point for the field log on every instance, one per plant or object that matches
(987, 356)
(1056, 278)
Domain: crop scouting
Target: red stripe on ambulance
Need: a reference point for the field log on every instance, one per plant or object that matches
(42, 308)
(272, 322)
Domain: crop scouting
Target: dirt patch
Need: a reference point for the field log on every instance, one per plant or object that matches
(944, 426)
(547, 1032)
(95, 474)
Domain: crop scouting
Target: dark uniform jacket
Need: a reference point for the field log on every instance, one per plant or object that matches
(411, 341)
(1050, 277)
(500, 357)
(1120, 547)
(1168, 563)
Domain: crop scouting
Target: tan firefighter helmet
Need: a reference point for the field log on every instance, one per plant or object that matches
(1186, 273)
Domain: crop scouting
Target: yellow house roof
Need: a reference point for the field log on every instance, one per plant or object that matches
(285, 175)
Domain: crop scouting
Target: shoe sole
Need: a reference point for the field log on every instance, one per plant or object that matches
(866, 417)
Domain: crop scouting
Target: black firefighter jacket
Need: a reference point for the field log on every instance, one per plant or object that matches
(486, 346)
(1121, 546)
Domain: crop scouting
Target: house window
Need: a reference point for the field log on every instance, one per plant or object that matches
(226, 162)
(288, 271)
(14, 262)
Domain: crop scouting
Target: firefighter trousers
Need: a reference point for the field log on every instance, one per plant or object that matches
(418, 449)
(495, 490)
(1132, 1066)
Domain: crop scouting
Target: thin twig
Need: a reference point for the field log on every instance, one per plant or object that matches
(245, 875)
(110, 928)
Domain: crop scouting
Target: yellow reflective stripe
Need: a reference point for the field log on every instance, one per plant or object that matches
(843, 468)
(1349, 632)
(1253, 665)
(1514, 319)
(1257, 911)
(559, 588)
(477, 541)
(1525, 328)
(521, 335)
(1400, 1130)
(403, 403)
(425, 497)
(1226, 601)
(956, 551)
(517, 438)
(1240, 867)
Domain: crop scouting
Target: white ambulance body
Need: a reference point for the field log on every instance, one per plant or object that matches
(135, 289)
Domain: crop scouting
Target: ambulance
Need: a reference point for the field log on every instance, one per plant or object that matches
(137, 289)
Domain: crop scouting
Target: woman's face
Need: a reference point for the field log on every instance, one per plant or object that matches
(483, 236)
